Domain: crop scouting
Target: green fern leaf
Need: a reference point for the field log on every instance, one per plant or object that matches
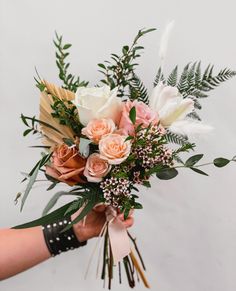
(172, 79)
(183, 82)
(159, 77)
(176, 138)
(137, 90)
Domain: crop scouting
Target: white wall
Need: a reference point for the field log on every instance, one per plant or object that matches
(187, 230)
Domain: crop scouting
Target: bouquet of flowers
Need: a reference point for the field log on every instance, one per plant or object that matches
(105, 141)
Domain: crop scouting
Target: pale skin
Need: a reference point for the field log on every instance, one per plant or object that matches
(21, 249)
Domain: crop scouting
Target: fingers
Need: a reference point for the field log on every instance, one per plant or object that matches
(121, 215)
(99, 208)
(128, 222)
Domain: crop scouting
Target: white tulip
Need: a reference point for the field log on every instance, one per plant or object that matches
(172, 109)
(97, 102)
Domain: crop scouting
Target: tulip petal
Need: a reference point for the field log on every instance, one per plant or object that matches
(176, 109)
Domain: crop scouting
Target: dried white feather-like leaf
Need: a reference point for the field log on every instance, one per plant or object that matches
(165, 40)
(190, 127)
(50, 136)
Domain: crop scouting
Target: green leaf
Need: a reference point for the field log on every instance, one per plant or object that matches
(69, 142)
(66, 46)
(29, 185)
(33, 119)
(193, 160)
(132, 114)
(27, 131)
(88, 207)
(198, 171)
(138, 205)
(52, 202)
(49, 218)
(84, 146)
(221, 162)
(167, 174)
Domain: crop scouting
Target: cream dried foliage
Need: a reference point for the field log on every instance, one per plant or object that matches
(50, 136)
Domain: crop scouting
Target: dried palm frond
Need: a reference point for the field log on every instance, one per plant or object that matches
(52, 137)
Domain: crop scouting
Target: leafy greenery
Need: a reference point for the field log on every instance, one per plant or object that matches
(194, 84)
(193, 160)
(32, 127)
(167, 173)
(132, 115)
(66, 113)
(32, 177)
(137, 90)
(120, 71)
(221, 162)
(70, 82)
(179, 139)
(49, 218)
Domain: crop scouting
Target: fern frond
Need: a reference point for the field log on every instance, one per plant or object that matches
(172, 79)
(183, 82)
(176, 138)
(137, 90)
(159, 77)
(194, 115)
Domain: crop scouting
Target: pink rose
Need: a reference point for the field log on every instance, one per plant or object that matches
(144, 115)
(96, 128)
(96, 168)
(114, 148)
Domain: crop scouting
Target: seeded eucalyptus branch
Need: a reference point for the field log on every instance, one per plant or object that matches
(70, 81)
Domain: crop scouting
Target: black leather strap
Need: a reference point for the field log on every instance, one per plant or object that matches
(58, 241)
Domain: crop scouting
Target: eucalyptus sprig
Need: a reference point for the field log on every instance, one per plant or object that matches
(70, 81)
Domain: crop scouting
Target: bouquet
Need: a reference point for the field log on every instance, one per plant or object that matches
(107, 140)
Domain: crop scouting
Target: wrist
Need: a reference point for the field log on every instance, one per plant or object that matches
(59, 240)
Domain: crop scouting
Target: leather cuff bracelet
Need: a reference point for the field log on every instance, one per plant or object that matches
(58, 241)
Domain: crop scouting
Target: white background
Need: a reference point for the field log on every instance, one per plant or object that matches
(187, 230)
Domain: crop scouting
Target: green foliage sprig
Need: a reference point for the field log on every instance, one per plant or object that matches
(66, 113)
(120, 71)
(70, 81)
(137, 90)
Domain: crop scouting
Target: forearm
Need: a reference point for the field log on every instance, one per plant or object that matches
(21, 249)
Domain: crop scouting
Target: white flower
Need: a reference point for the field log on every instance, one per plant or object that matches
(97, 102)
(172, 109)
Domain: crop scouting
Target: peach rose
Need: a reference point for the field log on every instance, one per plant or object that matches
(144, 115)
(66, 165)
(114, 148)
(96, 128)
(96, 168)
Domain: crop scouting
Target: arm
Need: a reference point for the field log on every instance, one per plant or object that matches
(21, 249)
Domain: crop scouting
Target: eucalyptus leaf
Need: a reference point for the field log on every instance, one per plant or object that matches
(199, 171)
(221, 162)
(193, 160)
(84, 147)
(167, 174)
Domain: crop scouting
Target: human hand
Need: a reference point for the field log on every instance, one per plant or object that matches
(94, 223)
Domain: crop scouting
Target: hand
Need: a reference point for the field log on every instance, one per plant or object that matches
(94, 223)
